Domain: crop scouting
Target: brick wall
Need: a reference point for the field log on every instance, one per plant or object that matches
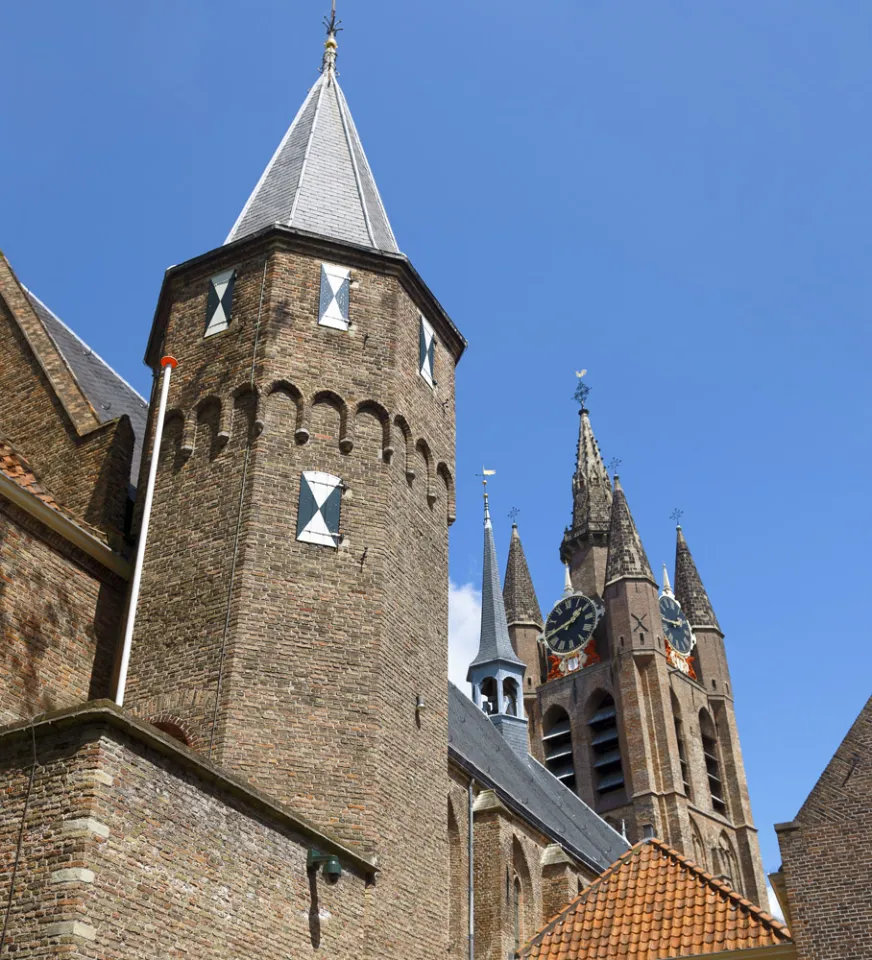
(827, 855)
(60, 614)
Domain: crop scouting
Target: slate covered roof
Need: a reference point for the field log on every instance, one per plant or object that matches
(525, 785)
(653, 904)
(494, 643)
(689, 590)
(319, 178)
(519, 596)
(109, 394)
(627, 556)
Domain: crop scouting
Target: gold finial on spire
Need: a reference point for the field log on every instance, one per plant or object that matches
(484, 475)
(330, 44)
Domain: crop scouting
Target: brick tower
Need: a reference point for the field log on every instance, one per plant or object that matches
(293, 619)
(645, 735)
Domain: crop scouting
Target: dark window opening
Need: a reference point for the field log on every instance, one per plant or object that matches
(557, 741)
(489, 698)
(709, 736)
(607, 767)
(510, 698)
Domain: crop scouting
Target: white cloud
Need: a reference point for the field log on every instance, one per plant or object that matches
(464, 623)
(774, 905)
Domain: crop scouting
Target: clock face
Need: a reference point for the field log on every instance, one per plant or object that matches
(570, 624)
(675, 625)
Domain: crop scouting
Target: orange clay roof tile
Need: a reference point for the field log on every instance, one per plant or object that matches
(18, 469)
(654, 904)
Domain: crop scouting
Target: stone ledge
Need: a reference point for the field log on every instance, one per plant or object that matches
(85, 825)
(71, 928)
(73, 875)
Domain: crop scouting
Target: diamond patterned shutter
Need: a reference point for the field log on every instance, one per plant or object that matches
(219, 302)
(333, 306)
(318, 513)
(427, 351)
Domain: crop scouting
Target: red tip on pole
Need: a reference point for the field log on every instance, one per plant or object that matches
(169, 362)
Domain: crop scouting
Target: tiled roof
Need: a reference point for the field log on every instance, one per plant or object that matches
(14, 466)
(689, 590)
(526, 786)
(522, 605)
(109, 394)
(653, 904)
(627, 556)
(319, 178)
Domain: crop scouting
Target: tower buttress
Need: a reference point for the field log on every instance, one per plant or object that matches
(585, 543)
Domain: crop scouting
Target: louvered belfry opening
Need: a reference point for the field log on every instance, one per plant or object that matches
(557, 741)
(682, 748)
(709, 736)
(607, 767)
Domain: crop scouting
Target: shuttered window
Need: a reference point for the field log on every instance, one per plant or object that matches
(219, 303)
(333, 306)
(318, 513)
(427, 352)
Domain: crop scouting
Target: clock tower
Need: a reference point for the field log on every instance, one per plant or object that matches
(293, 620)
(634, 711)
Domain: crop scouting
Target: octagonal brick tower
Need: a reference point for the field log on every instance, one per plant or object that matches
(294, 598)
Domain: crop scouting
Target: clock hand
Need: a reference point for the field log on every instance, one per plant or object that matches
(568, 623)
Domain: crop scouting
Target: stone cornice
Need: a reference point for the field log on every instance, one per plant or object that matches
(106, 714)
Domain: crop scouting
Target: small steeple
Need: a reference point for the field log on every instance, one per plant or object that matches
(689, 590)
(591, 489)
(319, 178)
(627, 557)
(519, 597)
(667, 586)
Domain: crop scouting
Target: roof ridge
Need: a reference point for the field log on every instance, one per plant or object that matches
(298, 190)
(88, 346)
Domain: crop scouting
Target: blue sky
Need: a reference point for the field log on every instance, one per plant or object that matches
(673, 195)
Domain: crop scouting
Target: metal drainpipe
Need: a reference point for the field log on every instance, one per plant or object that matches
(471, 801)
(168, 363)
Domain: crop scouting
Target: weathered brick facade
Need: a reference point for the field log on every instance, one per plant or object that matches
(297, 665)
(827, 856)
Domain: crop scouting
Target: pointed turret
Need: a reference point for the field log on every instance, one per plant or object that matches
(585, 542)
(627, 557)
(319, 178)
(689, 590)
(519, 596)
(497, 673)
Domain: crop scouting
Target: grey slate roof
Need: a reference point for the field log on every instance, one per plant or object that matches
(627, 557)
(522, 605)
(523, 784)
(689, 590)
(319, 178)
(109, 394)
(494, 643)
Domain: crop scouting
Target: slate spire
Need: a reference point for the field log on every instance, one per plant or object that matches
(319, 178)
(494, 643)
(519, 597)
(689, 590)
(627, 557)
(591, 489)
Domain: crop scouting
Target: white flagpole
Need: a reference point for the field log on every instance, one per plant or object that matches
(168, 363)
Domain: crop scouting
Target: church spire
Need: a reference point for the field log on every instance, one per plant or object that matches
(319, 178)
(591, 490)
(627, 557)
(519, 596)
(689, 590)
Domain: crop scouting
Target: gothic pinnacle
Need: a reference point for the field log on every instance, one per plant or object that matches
(689, 590)
(591, 490)
(522, 605)
(627, 557)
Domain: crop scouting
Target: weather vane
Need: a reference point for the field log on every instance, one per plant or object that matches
(513, 514)
(676, 515)
(582, 390)
(614, 463)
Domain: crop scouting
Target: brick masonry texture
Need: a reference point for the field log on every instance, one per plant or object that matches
(60, 615)
(319, 653)
(827, 855)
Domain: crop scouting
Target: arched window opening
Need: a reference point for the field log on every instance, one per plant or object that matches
(523, 914)
(510, 697)
(698, 847)
(709, 736)
(173, 730)
(457, 889)
(557, 741)
(728, 862)
(607, 766)
(516, 912)
(489, 697)
(682, 748)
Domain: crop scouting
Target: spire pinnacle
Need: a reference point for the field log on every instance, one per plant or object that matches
(328, 63)
(484, 475)
(567, 581)
(689, 590)
(522, 605)
(627, 558)
(667, 586)
(591, 489)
